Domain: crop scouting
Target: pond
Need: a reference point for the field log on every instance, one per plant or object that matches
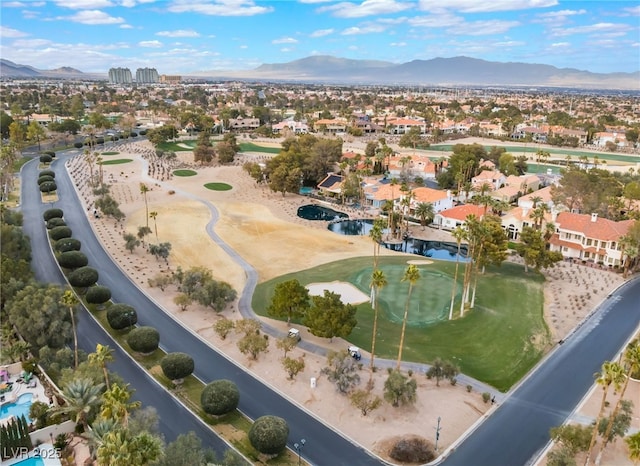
(316, 212)
(434, 249)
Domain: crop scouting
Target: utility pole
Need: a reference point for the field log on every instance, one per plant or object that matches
(438, 433)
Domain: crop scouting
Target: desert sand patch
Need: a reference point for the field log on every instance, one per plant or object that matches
(349, 294)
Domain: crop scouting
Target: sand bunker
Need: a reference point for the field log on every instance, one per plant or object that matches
(349, 294)
(420, 262)
(185, 146)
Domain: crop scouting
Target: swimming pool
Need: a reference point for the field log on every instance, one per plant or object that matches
(33, 461)
(18, 408)
(316, 212)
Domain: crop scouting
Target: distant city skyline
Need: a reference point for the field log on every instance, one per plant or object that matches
(190, 36)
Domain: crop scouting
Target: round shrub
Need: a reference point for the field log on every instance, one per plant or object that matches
(143, 132)
(84, 277)
(144, 339)
(48, 187)
(56, 222)
(99, 140)
(68, 244)
(413, 450)
(44, 179)
(121, 316)
(220, 397)
(45, 158)
(50, 152)
(176, 366)
(57, 233)
(78, 145)
(269, 434)
(72, 260)
(133, 134)
(50, 173)
(52, 213)
(98, 295)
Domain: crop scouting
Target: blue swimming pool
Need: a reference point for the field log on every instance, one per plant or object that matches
(317, 212)
(34, 461)
(17, 409)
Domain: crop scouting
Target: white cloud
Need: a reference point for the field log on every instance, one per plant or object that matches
(440, 20)
(84, 4)
(150, 44)
(321, 33)
(557, 45)
(22, 4)
(93, 17)
(244, 47)
(373, 28)
(477, 6)
(484, 28)
(632, 10)
(178, 33)
(366, 8)
(591, 29)
(126, 26)
(285, 40)
(353, 47)
(562, 13)
(286, 49)
(219, 7)
(31, 43)
(6, 32)
(398, 44)
(315, 1)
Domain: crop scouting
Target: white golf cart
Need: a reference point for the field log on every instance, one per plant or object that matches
(295, 334)
(354, 352)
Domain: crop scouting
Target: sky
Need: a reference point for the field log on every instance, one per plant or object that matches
(187, 36)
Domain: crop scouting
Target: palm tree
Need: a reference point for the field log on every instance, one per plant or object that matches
(424, 211)
(101, 357)
(154, 215)
(378, 281)
(80, 397)
(611, 373)
(376, 236)
(116, 405)
(631, 365)
(99, 429)
(536, 200)
(459, 234)
(70, 300)
(411, 275)
(120, 448)
(144, 189)
(633, 443)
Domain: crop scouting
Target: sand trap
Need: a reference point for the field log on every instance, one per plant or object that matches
(185, 146)
(420, 262)
(349, 294)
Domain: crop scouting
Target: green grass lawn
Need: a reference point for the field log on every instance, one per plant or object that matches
(185, 172)
(498, 342)
(218, 186)
(115, 162)
(251, 147)
(109, 153)
(177, 146)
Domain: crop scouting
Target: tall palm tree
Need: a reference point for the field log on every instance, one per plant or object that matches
(144, 189)
(378, 281)
(154, 215)
(411, 275)
(376, 236)
(80, 396)
(116, 404)
(70, 300)
(424, 211)
(631, 365)
(610, 373)
(459, 234)
(101, 357)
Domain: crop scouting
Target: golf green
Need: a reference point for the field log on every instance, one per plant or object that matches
(218, 186)
(185, 172)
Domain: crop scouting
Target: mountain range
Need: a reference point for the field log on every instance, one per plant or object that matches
(454, 71)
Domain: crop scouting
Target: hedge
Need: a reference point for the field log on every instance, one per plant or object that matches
(52, 213)
(144, 339)
(220, 397)
(50, 173)
(269, 434)
(67, 244)
(84, 277)
(121, 316)
(57, 233)
(72, 259)
(56, 222)
(98, 294)
(177, 366)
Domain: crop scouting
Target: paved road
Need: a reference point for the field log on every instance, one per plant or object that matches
(174, 418)
(519, 429)
(323, 446)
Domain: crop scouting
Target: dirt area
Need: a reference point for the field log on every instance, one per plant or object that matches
(262, 227)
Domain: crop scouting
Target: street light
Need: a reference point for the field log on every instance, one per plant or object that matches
(298, 447)
(437, 433)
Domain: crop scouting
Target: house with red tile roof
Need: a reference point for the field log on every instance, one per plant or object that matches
(403, 125)
(544, 194)
(457, 216)
(493, 178)
(517, 218)
(377, 194)
(589, 238)
(414, 165)
(440, 200)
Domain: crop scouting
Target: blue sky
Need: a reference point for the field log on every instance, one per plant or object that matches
(183, 36)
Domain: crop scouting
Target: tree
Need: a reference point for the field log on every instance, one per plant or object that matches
(70, 300)
(130, 242)
(442, 370)
(98, 295)
(67, 244)
(35, 132)
(58, 233)
(365, 401)
(459, 234)
(342, 371)
(573, 437)
(214, 294)
(116, 404)
(204, 151)
(72, 260)
(286, 344)
(411, 275)
(269, 434)
(143, 231)
(290, 299)
(412, 138)
(144, 189)
(633, 443)
(177, 366)
(121, 448)
(400, 389)
(102, 355)
(183, 301)
(223, 326)
(533, 248)
(329, 317)
(378, 281)
(80, 396)
(226, 152)
(425, 212)
(220, 397)
(121, 316)
(154, 216)
(143, 339)
(253, 344)
(293, 366)
(185, 450)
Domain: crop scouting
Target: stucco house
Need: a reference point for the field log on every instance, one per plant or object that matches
(457, 216)
(440, 200)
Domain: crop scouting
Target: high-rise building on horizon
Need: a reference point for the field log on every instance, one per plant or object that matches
(120, 76)
(146, 75)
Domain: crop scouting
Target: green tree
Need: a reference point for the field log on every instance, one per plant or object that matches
(442, 370)
(293, 366)
(425, 212)
(412, 138)
(290, 299)
(342, 371)
(35, 133)
(400, 389)
(365, 401)
(286, 344)
(533, 248)
(573, 437)
(633, 443)
(269, 434)
(144, 339)
(329, 317)
(130, 242)
(144, 189)
(185, 450)
(121, 448)
(411, 275)
(177, 366)
(70, 300)
(378, 281)
(253, 344)
(204, 151)
(116, 404)
(226, 152)
(223, 326)
(80, 397)
(102, 355)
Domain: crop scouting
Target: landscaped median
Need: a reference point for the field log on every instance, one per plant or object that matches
(173, 370)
